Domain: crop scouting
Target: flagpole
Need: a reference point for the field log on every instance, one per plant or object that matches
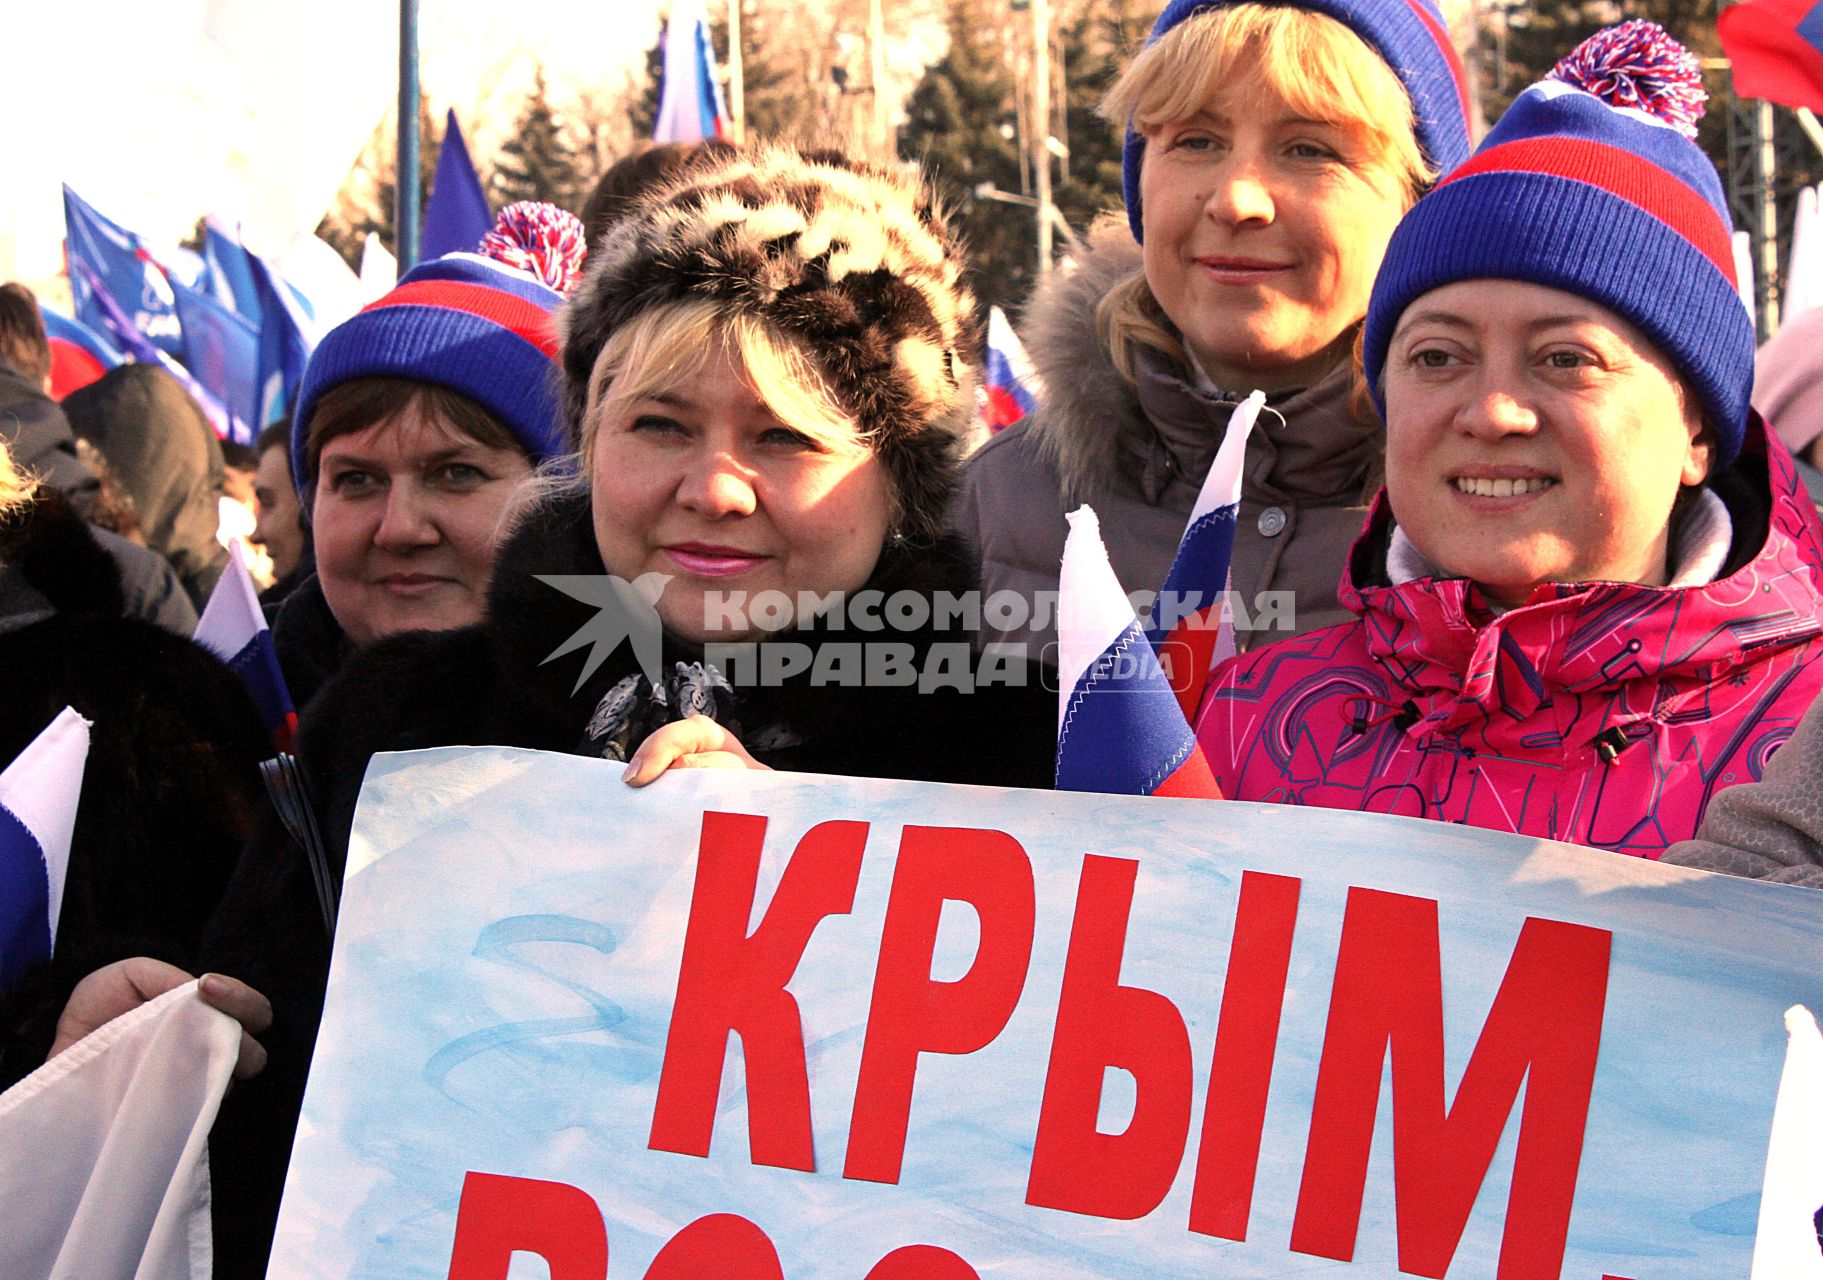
(1041, 126)
(737, 105)
(405, 176)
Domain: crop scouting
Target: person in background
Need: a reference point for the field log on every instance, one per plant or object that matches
(1588, 599)
(416, 422)
(163, 455)
(240, 510)
(53, 561)
(1788, 390)
(34, 430)
(1271, 149)
(280, 529)
(1771, 829)
(647, 167)
(171, 787)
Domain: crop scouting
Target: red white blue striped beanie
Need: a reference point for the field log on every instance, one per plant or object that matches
(1410, 35)
(480, 324)
(1591, 184)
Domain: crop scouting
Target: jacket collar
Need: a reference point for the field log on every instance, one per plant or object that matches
(1162, 434)
(1307, 447)
(1439, 640)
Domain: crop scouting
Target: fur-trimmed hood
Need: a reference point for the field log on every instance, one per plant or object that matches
(1082, 433)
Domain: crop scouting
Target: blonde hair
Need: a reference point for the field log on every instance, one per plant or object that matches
(668, 345)
(17, 486)
(1315, 64)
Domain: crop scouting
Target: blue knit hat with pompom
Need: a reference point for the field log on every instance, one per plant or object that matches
(1410, 35)
(1591, 184)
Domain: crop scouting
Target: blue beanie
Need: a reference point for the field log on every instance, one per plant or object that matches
(1410, 35)
(1591, 184)
(481, 324)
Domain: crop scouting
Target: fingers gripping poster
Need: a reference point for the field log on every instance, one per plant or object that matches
(769, 1026)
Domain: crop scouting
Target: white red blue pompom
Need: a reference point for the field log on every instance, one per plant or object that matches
(540, 239)
(1638, 64)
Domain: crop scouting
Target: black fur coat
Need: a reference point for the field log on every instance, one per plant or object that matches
(172, 785)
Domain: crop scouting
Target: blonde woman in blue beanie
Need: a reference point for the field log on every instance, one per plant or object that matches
(417, 422)
(1271, 149)
(1588, 599)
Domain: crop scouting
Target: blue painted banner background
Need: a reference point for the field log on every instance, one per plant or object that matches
(509, 950)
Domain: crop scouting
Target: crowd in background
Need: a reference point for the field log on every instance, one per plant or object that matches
(1551, 571)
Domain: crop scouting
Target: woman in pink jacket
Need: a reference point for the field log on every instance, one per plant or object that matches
(1588, 597)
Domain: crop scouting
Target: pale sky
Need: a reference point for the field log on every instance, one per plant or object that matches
(256, 109)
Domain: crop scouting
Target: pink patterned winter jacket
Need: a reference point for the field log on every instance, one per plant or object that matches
(1604, 714)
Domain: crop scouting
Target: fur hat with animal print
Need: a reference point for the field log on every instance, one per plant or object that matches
(855, 262)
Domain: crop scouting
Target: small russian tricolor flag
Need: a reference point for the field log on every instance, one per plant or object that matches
(690, 107)
(1119, 726)
(1190, 629)
(234, 629)
(1012, 383)
(39, 792)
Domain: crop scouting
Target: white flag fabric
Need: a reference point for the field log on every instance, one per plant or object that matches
(1804, 266)
(1786, 1246)
(41, 789)
(104, 1171)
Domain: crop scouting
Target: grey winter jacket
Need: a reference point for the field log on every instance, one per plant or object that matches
(1139, 455)
(1771, 829)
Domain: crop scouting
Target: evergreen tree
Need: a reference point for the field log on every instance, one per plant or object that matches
(366, 204)
(961, 126)
(537, 162)
(1094, 47)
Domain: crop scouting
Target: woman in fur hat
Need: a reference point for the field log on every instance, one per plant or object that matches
(1271, 149)
(767, 371)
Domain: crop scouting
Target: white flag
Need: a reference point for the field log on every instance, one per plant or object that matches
(104, 1171)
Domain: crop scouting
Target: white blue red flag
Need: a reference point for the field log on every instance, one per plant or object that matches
(1191, 629)
(1119, 726)
(1012, 383)
(79, 355)
(234, 629)
(39, 792)
(690, 105)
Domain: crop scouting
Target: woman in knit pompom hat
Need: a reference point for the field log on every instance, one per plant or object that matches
(1588, 597)
(417, 421)
(1271, 149)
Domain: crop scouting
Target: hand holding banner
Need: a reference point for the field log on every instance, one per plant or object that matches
(1021, 1034)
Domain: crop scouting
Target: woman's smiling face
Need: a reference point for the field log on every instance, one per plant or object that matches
(1263, 232)
(1535, 437)
(701, 481)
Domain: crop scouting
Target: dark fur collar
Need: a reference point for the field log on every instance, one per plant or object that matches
(49, 545)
